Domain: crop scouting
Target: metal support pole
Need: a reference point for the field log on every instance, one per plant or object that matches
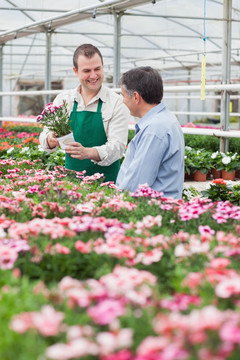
(48, 65)
(1, 80)
(226, 71)
(117, 47)
(188, 99)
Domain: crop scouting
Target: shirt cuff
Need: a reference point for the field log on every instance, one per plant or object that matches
(102, 154)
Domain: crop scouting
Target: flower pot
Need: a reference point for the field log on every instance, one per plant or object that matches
(227, 175)
(199, 176)
(217, 174)
(237, 175)
(65, 140)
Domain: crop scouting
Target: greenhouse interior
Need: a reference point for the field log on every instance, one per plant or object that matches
(124, 242)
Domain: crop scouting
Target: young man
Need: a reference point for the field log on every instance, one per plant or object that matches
(98, 118)
(156, 153)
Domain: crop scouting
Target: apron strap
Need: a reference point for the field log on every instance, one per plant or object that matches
(75, 105)
(99, 108)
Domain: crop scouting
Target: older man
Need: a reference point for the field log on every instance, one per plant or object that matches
(156, 153)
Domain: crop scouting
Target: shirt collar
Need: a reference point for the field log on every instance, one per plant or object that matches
(102, 94)
(144, 120)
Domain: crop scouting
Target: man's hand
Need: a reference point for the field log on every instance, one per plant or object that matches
(52, 141)
(77, 151)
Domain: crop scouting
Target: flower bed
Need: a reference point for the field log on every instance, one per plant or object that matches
(88, 272)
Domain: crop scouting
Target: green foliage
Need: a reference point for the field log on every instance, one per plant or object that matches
(210, 143)
(51, 268)
(197, 159)
(16, 295)
(25, 128)
(131, 134)
(220, 191)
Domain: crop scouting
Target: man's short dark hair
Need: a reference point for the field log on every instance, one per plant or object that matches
(87, 50)
(146, 81)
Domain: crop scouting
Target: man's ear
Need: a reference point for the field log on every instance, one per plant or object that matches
(75, 70)
(136, 96)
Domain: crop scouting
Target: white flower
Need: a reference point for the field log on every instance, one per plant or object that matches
(40, 148)
(214, 155)
(10, 150)
(226, 160)
(24, 149)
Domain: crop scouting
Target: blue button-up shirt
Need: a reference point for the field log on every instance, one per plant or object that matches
(155, 155)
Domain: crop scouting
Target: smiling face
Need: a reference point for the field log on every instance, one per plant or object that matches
(89, 73)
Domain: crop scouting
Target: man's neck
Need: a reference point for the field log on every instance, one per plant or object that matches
(145, 109)
(87, 95)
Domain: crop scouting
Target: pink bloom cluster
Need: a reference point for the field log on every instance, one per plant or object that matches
(111, 292)
(48, 321)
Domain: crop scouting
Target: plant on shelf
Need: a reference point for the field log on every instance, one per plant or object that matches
(220, 190)
(200, 161)
(188, 164)
(216, 160)
(225, 161)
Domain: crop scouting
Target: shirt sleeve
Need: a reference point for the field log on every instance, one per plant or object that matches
(144, 166)
(117, 133)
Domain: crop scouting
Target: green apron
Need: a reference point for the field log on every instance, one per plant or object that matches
(88, 130)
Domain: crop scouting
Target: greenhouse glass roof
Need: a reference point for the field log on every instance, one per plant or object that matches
(170, 35)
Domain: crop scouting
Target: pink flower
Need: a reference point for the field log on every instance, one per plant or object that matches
(75, 349)
(62, 249)
(109, 342)
(82, 247)
(152, 344)
(47, 321)
(228, 287)
(220, 263)
(206, 232)
(193, 279)
(149, 257)
(180, 302)
(106, 311)
(22, 322)
(230, 332)
(121, 355)
(8, 256)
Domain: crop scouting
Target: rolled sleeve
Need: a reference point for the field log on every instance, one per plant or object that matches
(43, 141)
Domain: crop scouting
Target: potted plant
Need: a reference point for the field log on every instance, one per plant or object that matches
(219, 190)
(200, 164)
(56, 119)
(228, 165)
(216, 162)
(188, 164)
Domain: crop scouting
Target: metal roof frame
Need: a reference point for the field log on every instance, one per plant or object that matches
(52, 23)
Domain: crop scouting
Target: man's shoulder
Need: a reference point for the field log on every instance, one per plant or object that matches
(161, 123)
(66, 94)
(110, 93)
